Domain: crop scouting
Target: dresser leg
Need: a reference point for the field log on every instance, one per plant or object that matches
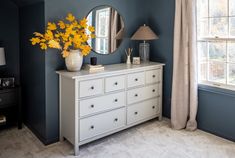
(160, 118)
(76, 150)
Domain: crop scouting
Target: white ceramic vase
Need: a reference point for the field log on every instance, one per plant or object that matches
(74, 61)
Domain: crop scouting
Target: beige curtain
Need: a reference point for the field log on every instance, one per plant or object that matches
(184, 87)
(113, 29)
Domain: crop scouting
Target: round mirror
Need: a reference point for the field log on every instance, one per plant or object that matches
(109, 29)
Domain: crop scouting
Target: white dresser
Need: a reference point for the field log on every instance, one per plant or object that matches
(94, 105)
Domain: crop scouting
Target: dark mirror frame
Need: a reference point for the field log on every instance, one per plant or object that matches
(124, 31)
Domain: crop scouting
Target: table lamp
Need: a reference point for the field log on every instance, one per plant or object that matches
(144, 33)
(2, 57)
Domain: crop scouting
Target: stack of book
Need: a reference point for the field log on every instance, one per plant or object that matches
(94, 68)
(2, 120)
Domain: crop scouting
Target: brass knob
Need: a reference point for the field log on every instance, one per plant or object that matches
(92, 87)
(116, 119)
(154, 76)
(116, 100)
(92, 127)
(116, 83)
(154, 90)
(136, 79)
(153, 107)
(136, 95)
(92, 106)
(136, 113)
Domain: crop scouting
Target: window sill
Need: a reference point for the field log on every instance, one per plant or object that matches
(216, 89)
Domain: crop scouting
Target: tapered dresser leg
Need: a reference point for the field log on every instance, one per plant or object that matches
(76, 150)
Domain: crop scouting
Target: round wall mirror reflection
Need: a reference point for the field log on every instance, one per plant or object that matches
(109, 29)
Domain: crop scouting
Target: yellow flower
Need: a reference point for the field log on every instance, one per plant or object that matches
(51, 26)
(85, 50)
(83, 22)
(49, 35)
(91, 29)
(61, 24)
(54, 44)
(35, 41)
(43, 46)
(92, 35)
(65, 53)
(70, 17)
(38, 34)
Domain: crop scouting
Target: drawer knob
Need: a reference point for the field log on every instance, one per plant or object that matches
(92, 106)
(154, 90)
(136, 79)
(154, 76)
(153, 107)
(92, 127)
(116, 119)
(136, 113)
(92, 87)
(116, 100)
(116, 83)
(136, 95)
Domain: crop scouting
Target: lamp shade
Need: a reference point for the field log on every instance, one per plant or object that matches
(144, 33)
(2, 57)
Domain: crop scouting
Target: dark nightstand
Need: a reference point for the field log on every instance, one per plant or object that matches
(10, 107)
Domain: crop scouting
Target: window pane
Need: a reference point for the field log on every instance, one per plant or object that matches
(217, 51)
(232, 7)
(202, 8)
(219, 27)
(218, 8)
(202, 27)
(231, 51)
(202, 51)
(217, 72)
(231, 74)
(232, 26)
(203, 71)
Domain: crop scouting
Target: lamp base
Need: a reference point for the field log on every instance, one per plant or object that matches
(144, 51)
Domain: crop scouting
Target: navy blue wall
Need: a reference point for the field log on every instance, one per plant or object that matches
(9, 37)
(32, 61)
(160, 18)
(217, 111)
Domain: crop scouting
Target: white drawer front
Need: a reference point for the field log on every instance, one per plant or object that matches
(136, 79)
(142, 111)
(91, 88)
(99, 104)
(99, 124)
(153, 76)
(114, 83)
(135, 95)
(152, 91)
(140, 94)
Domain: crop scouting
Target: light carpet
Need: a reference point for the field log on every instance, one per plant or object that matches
(153, 139)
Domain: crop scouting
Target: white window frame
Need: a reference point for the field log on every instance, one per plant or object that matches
(98, 36)
(216, 39)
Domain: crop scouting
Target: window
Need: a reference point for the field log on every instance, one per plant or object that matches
(216, 42)
(102, 30)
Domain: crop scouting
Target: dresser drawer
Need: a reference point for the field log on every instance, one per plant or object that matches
(153, 76)
(99, 104)
(114, 83)
(99, 124)
(142, 111)
(140, 94)
(91, 88)
(8, 99)
(135, 79)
